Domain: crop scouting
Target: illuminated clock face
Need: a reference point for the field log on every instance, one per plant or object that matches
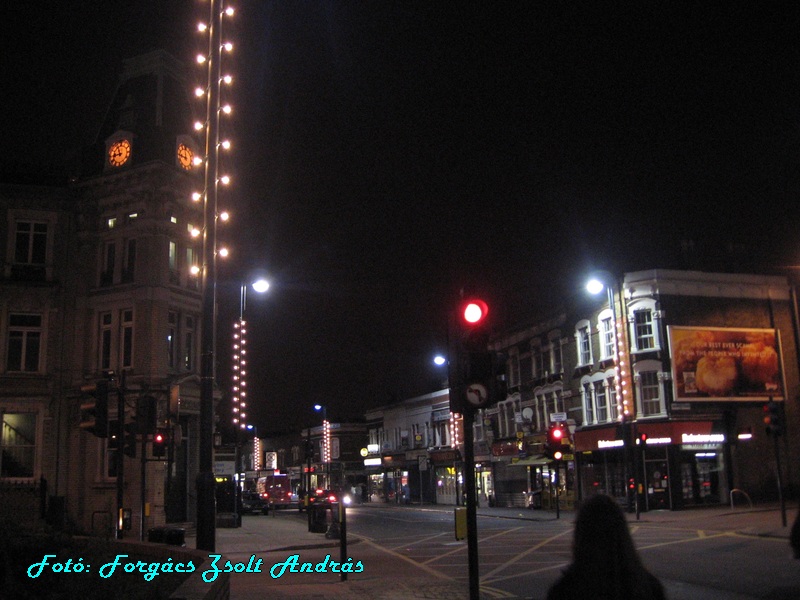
(185, 156)
(119, 153)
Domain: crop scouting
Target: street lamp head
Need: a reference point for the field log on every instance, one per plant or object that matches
(260, 285)
(318, 407)
(439, 360)
(595, 286)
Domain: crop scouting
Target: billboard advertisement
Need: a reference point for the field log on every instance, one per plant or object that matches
(725, 364)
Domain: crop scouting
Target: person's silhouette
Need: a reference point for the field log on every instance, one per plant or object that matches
(605, 563)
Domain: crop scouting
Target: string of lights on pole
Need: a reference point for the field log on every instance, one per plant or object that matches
(216, 83)
(212, 32)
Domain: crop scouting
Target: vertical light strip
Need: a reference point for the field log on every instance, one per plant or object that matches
(326, 441)
(239, 388)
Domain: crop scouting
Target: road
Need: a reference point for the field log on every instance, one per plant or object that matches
(699, 557)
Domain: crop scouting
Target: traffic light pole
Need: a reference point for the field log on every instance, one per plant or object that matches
(472, 517)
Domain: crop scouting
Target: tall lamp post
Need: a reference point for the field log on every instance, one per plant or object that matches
(239, 388)
(326, 443)
(595, 286)
(206, 504)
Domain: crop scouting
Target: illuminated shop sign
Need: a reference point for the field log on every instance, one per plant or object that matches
(601, 444)
(695, 438)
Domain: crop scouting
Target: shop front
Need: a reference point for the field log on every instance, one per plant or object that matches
(447, 475)
(672, 465)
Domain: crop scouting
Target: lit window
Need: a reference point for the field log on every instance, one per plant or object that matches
(18, 444)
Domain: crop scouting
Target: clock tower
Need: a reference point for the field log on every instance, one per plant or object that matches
(138, 290)
(150, 118)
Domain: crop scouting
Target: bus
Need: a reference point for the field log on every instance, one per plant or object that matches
(277, 490)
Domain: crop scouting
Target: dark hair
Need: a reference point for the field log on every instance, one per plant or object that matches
(605, 560)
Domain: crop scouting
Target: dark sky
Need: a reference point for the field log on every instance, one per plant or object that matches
(389, 154)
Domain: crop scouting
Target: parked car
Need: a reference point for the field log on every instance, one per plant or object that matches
(253, 503)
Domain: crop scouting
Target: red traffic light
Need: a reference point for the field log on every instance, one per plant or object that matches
(474, 312)
(160, 443)
(556, 435)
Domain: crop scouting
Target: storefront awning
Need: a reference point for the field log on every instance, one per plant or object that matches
(537, 460)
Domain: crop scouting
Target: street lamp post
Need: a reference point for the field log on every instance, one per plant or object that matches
(206, 505)
(240, 376)
(624, 413)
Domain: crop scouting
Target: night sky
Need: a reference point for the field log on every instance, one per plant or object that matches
(389, 154)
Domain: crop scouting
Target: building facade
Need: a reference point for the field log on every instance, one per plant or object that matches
(699, 355)
(98, 287)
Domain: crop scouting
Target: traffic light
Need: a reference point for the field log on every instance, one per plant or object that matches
(129, 443)
(556, 441)
(773, 418)
(160, 443)
(643, 440)
(474, 312)
(94, 408)
(477, 374)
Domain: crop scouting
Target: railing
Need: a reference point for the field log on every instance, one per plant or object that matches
(743, 493)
